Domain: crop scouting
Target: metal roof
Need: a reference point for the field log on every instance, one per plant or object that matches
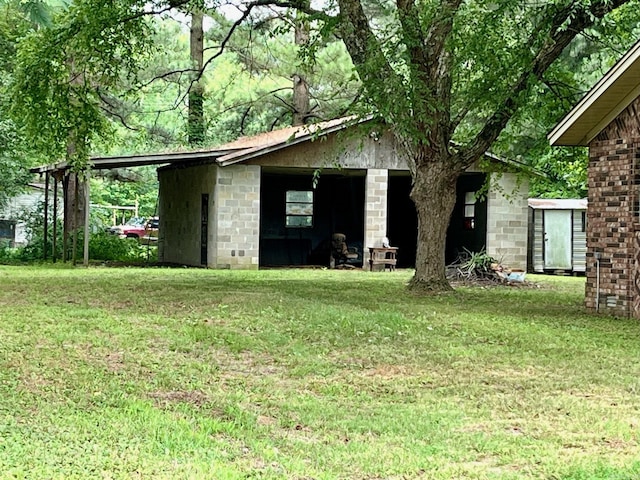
(602, 104)
(558, 203)
(239, 150)
(286, 137)
(101, 163)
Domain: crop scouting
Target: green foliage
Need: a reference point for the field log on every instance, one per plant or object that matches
(248, 87)
(141, 188)
(103, 246)
(33, 222)
(61, 70)
(14, 173)
(15, 151)
(107, 247)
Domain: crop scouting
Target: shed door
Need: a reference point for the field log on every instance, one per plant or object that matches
(557, 239)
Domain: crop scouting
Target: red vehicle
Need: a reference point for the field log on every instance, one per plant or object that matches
(138, 228)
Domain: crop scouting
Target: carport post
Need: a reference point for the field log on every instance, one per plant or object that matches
(87, 207)
(46, 215)
(54, 242)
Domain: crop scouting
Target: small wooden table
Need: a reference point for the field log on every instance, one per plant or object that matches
(385, 256)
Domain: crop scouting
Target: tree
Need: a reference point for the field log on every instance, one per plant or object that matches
(196, 122)
(447, 76)
(15, 154)
(275, 72)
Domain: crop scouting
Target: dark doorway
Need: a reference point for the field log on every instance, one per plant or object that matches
(297, 218)
(468, 225)
(464, 231)
(402, 220)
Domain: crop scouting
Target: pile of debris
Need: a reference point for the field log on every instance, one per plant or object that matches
(480, 267)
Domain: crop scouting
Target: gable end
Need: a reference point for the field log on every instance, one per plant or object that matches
(624, 126)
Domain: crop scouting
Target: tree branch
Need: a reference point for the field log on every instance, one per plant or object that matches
(567, 23)
(367, 54)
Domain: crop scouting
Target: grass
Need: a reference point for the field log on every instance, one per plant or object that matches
(300, 374)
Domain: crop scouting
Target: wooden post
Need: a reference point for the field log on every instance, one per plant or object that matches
(65, 216)
(55, 218)
(76, 219)
(46, 215)
(87, 207)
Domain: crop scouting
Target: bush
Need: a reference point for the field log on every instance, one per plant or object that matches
(6, 252)
(104, 246)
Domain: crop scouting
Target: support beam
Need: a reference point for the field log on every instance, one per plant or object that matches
(87, 207)
(65, 216)
(46, 216)
(76, 219)
(54, 242)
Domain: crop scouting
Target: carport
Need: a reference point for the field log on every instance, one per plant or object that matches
(76, 192)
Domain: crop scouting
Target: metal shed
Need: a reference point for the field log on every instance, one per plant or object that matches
(557, 238)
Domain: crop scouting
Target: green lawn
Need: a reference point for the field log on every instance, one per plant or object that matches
(309, 374)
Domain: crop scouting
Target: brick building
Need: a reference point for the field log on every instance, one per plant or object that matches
(606, 120)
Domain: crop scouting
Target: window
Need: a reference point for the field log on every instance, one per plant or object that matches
(469, 210)
(8, 229)
(299, 209)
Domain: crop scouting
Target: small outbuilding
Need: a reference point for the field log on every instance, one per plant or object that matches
(557, 235)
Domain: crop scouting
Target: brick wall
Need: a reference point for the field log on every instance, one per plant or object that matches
(612, 217)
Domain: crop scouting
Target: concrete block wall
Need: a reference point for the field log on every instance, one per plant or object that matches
(507, 214)
(179, 209)
(237, 217)
(375, 215)
(612, 218)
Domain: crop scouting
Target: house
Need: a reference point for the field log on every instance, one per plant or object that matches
(606, 120)
(275, 199)
(557, 235)
(12, 226)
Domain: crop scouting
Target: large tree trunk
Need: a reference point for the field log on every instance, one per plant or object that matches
(301, 103)
(74, 213)
(434, 195)
(196, 123)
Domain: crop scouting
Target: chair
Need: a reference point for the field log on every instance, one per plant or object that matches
(341, 254)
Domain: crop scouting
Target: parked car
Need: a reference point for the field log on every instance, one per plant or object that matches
(142, 229)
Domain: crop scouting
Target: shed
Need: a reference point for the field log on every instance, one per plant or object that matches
(557, 235)
(264, 205)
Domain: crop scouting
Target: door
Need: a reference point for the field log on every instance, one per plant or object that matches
(204, 228)
(557, 239)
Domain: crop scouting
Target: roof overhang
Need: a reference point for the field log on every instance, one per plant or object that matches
(602, 104)
(104, 163)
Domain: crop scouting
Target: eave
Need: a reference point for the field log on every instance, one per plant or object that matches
(602, 104)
